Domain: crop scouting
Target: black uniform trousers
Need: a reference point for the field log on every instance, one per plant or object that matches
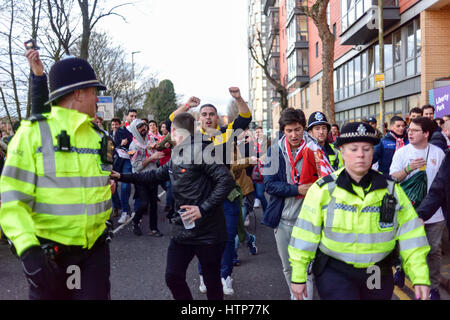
(79, 274)
(341, 281)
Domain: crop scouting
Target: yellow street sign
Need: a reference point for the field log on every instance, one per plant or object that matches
(379, 80)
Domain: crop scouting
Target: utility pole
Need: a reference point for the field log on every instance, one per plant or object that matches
(134, 90)
(381, 56)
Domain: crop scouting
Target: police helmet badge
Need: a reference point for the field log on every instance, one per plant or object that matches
(362, 129)
(319, 116)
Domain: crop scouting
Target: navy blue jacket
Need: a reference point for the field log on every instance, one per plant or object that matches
(122, 133)
(384, 152)
(276, 185)
(439, 194)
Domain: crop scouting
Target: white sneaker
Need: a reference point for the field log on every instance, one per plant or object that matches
(227, 286)
(123, 218)
(202, 286)
(257, 203)
(246, 221)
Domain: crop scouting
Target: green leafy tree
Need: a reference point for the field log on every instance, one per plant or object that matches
(161, 101)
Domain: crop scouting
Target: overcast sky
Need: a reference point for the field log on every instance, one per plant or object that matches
(200, 45)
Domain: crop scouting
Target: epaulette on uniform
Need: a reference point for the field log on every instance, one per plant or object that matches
(325, 180)
(389, 178)
(36, 117)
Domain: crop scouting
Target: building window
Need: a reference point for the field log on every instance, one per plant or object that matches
(388, 59)
(364, 79)
(351, 78)
(276, 43)
(352, 10)
(302, 93)
(318, 85)
(302, 28)
(328, 14)
(334, 31)
(418, 46)
(342, 83)
(317, 49)
(357, 74)
(371, 67)
(302, 62)
(397, 54)
(413, 48)
(335, 85)
(307, 97)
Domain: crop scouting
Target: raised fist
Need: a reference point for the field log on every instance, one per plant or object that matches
(193, 102)
(235, 92)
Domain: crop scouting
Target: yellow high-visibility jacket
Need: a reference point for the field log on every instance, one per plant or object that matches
(346, 226)
(63, 196)
(335, 163)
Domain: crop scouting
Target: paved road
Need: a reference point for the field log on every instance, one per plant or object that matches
(138, 265)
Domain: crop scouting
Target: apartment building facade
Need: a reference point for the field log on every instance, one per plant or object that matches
(258, 88)
(416, 46)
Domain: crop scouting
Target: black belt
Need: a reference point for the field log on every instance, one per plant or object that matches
(54, 249)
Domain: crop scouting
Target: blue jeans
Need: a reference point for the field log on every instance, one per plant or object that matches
(259, 194)
(125, 189)
(236, 238)
(231, 210)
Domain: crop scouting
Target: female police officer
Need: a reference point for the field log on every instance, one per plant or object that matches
(350, 223)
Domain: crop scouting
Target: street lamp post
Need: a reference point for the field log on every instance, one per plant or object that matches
(132, 65)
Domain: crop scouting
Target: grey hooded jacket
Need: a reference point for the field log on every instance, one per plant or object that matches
(137, 149)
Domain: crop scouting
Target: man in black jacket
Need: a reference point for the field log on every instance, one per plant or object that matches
(200, 189)
(439, 194)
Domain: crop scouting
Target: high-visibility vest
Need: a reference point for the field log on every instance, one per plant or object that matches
(335, 158)
(63, 196)
(347, 227)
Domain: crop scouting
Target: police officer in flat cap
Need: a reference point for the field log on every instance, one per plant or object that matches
(318, 128)
(56, 192)
(350, 222)
(373, 123)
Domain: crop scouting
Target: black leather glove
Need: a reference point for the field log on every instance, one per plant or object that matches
(39, 270)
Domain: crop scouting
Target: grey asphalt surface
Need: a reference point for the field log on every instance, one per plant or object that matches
(138, 267)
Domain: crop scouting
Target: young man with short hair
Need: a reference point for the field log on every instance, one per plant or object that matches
(282, 172)
(334, 133)
(395, 139)
(436, 137)
(200, 189)
(417, 156)
(222, 138)
(318, 128)
(415, 112)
